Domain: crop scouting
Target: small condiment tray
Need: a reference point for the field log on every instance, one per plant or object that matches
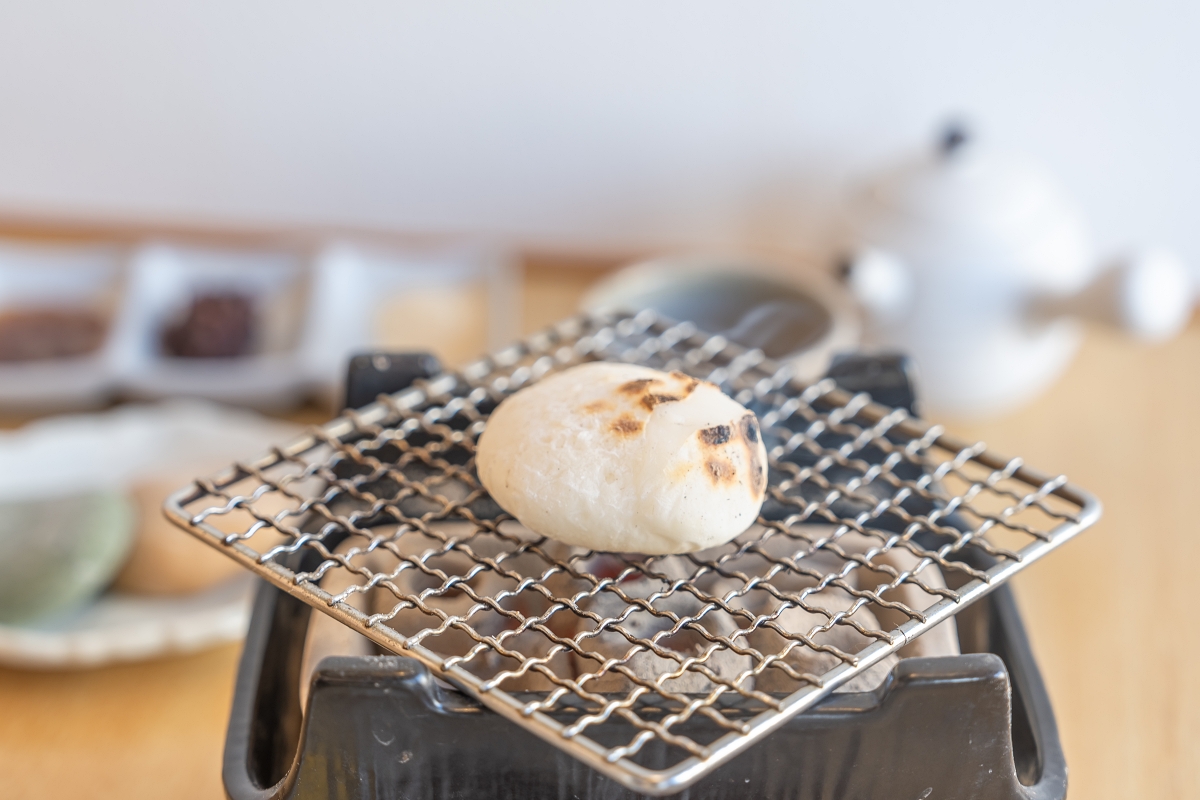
(309, 309)
(377, 518)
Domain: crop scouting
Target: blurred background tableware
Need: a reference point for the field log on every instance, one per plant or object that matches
(92, 572)
(61, 550)
(457, 300)
(269, 326)
(794, 315)
(218, 323)
(58, 303)
(408, 175)
(979, 266)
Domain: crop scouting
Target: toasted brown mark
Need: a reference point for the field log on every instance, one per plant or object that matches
(597, 406)
(720, 470)
(749, 426)
(716, 435)
(626, 426)
(652, 395)
(650, 400)
(689, 383)
(636, 387)
(747, 435)
(758, 475)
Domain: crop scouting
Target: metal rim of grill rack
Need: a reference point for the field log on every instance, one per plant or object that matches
(377, 519)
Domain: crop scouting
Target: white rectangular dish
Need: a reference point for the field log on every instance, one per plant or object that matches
(302, 314)
(65, 280)
(164, 284)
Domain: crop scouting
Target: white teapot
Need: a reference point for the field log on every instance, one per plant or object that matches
(979, 268)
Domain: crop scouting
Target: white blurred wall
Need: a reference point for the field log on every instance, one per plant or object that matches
(616, 123)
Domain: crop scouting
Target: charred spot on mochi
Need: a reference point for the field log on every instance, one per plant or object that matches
(720, 470)
(626, 426)
(650, 400)
(749, 426)
(757, 469)
(758, 475)
(716, 435)
(637, 386)
(651, 390)
(754, 461)
(597, 406)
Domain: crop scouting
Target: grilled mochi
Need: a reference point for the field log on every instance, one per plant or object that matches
(619, 457)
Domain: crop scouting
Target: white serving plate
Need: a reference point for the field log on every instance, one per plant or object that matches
(121, 627)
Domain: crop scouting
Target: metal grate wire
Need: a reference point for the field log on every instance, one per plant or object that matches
(652, 670)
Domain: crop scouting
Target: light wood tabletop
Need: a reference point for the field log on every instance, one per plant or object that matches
(1109, 614)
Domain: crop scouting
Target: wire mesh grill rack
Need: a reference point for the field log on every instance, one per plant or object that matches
(377, 518)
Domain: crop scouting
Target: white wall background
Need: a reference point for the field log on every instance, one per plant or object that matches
(617, 123)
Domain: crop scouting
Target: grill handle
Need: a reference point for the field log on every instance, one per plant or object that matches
(369, 375)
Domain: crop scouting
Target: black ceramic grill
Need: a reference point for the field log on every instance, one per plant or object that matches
(652, 672)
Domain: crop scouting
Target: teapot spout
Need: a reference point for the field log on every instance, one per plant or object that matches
(1149, 294)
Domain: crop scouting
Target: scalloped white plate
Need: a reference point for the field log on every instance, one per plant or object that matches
(122, 627)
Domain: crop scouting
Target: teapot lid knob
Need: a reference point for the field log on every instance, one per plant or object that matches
(953, 137)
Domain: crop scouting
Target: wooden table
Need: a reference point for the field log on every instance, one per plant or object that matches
(1109, 615)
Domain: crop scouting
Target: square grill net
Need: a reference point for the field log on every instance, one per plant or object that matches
(653, 670)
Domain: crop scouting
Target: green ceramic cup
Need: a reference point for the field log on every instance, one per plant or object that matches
(57, 553)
